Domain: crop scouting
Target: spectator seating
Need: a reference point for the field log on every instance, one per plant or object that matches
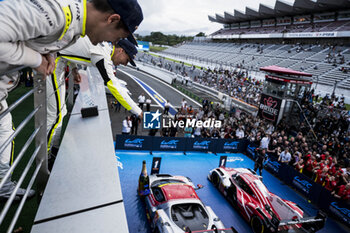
(323, 62)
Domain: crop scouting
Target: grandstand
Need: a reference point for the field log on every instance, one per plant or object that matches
(310, 36)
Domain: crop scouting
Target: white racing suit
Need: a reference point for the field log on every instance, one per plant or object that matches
(83, 52)
(29, 28)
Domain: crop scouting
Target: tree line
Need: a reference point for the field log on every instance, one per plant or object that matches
(162, 39)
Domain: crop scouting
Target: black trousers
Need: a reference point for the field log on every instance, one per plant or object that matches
(134, 129)
(166, 110)
(141, 106)
(259, 166)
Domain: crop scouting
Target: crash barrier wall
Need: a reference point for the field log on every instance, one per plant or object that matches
(37, 138)
(161, 74)
(148, 143)
(83, 193)
(312, 191)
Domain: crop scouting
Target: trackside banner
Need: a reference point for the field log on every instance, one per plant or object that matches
(269, 108)
(131, 142)
(168, 144)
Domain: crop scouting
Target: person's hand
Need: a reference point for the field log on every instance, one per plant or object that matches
(76, 76)
(47, 65)
(51, 63)
(42, 69)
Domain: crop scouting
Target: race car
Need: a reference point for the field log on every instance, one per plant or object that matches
(173, 206)
(265, 211)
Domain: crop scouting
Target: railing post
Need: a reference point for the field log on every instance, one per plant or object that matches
(41, 138)
(70, 91)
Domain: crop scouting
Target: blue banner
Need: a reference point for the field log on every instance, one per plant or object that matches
(340, 210)
(201, 144)
(230, 146)
(273, 165)
(168, 144)
(133, 142)
(251, 150)
(335, 207)
(143, 45)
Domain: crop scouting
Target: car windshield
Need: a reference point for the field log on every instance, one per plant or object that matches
(165, 181)
(190, 217)
(244, 186)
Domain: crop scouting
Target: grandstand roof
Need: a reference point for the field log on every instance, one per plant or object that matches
(252, 13)
(280, 9)
(282, 70)
(240, 15)
(229, 16)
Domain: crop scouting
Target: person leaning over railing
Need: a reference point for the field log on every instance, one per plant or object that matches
(54, 25)
(104, 56)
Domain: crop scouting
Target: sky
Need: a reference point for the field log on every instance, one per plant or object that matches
(189, 17)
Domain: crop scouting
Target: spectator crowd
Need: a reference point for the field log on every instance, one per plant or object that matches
(234, 82)
(317, 146)
(322, 153)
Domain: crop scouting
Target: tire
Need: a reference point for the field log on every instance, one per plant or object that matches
(257, 225)
(215, 179)
(156, 230)
(232, 195)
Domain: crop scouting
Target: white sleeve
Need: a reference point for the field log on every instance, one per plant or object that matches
(18, 54)
(33, 20)
(105, 67)
(125, 123)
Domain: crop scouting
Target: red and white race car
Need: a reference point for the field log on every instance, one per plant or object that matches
(265, 211)
(174, 207)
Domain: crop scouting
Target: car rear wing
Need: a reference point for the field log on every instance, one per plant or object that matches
(227, 230)
(308, 224)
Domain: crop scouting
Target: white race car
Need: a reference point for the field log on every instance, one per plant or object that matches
(174, 207)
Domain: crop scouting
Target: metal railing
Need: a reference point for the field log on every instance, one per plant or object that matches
(40, 154)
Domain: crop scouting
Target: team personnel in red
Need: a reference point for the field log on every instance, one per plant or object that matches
(330, 183)
(343, 192)
(321, 175)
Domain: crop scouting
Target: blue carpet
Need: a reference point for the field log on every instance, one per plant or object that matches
(196, 166)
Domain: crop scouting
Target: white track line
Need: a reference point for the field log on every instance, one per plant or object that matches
(194, 101)
(131, 76)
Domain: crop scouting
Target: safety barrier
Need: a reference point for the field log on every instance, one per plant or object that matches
(312, 191)
(83, 193)
(41, 172)
(132, 142)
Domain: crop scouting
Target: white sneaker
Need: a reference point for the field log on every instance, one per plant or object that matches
(7, 190)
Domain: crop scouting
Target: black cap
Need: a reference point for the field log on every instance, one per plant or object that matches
(129, 49)
(130, 13)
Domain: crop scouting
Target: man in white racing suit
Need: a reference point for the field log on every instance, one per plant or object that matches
(32, 29)
(83, 52)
